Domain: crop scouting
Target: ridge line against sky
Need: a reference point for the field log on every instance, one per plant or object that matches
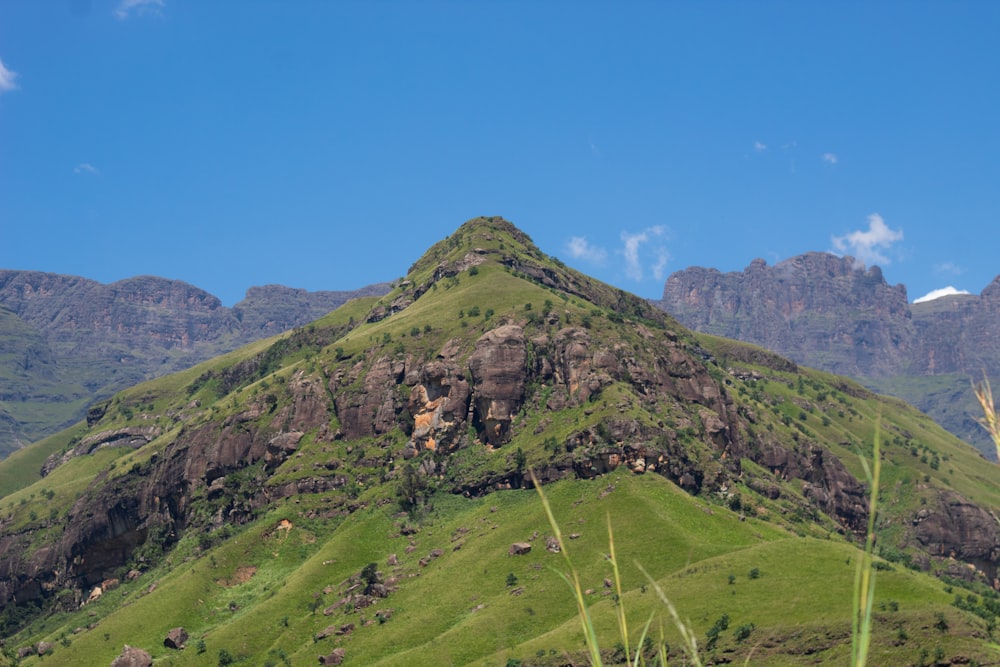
(326, 145)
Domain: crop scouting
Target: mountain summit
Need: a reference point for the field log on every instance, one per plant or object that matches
(358, 487)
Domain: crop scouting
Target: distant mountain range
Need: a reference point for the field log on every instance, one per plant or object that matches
(67, 341)
(820, 310)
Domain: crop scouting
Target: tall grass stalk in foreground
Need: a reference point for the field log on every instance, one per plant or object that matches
(864, 575)
(572, 579)
(990, 420)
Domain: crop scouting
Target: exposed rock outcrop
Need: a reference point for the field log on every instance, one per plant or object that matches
(955, 528)
(498, 367)
(813, 306)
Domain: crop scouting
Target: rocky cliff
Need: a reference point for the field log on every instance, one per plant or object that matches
(957, 334)
(67, 341)
(821, 311)
(814, 306)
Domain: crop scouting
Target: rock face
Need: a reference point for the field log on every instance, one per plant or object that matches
(955, 528)
(957, 334)
(498, 368)
(822, 311)
(67, 341)
(271, 309)
(814, 306)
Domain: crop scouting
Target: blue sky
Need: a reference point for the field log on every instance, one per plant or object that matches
(326, 145)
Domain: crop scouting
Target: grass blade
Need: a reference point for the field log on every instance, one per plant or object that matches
(572, 579)
(864, 575)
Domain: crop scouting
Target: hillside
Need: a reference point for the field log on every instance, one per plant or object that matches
(66, 342)
(360, 484)
(820, 310)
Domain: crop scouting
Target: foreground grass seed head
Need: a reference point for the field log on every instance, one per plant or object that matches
(990, 420)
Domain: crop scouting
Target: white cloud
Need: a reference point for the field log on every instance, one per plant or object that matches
(867, 246)
(8, 79)
(759, 146)
(830, 158)
(579, 248)
(86, 168)
(949, 268)
(938, 293)
(127, 7)
(635, 251)
(660, 267)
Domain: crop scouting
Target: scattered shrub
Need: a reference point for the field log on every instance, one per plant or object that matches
(743, 631)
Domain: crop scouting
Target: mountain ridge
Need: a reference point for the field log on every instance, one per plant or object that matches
(360, 483)
(822, 311)
(95, 338)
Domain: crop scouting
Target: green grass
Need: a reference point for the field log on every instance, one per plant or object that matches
(802, 591)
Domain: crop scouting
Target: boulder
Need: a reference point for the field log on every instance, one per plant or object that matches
(519, 548)
(133, 657)
(176, 638)
(335, 657)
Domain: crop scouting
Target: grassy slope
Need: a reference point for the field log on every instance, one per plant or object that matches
(947, 398)
(800, 599)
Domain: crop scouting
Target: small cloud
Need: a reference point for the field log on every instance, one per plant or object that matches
(86, 168)
(594, 150)
(830, 158)
(949, 268)
(127, 7)
(938, 293)
(8, 79)
(759, 146)
(579, 248)
(867, 246)
(635, 250)
(660, 267)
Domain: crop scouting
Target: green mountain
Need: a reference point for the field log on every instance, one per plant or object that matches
(358, 491)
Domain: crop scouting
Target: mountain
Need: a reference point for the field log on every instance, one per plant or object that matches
(823, 311)
(66, 342)
(358, 490)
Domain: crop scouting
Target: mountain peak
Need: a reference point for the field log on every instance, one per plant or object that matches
(495, 241)
(482, 235)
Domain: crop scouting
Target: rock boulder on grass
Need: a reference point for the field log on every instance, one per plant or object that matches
(519, 548)
(133, 657)
(176, 638)
(335, 657)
